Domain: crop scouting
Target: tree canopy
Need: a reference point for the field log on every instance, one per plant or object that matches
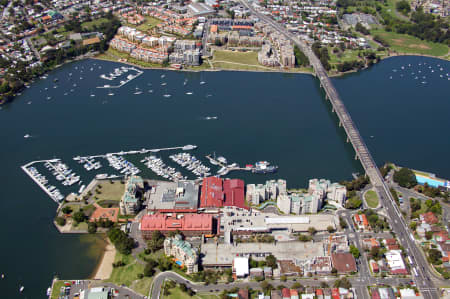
(405, 177)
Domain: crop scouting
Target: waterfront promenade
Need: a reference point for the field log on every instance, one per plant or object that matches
(397, 222)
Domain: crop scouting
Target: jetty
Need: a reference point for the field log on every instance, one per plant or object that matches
(42, 186)
(227, 168)
(141, 151)
(123, 82)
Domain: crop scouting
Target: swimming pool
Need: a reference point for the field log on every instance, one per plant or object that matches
(430, 181)
(179, 263)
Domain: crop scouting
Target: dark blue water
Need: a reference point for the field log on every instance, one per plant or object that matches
(280, 118)
(403, 120)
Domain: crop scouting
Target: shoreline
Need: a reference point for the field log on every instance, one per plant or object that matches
(90, 56)
(104, 267)
(202, 70)
(340, 74)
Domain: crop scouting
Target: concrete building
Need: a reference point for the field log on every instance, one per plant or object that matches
(222, 255)
(243, 222)
(183, 253)
(270, 191)
(130, 203)
(168, 197)
(240, 267)
(311, 202)
(395, 262)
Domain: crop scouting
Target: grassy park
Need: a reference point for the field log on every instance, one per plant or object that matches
(371, 199)
(128, 274)
(149, 23)
(109, 190)
(407, 44)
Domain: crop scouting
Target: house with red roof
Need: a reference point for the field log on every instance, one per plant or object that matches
(361, 221)
(286, 293)
(429, 218)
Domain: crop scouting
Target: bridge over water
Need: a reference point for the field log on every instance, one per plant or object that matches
(397, 222)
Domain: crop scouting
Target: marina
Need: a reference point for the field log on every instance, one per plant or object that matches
(42, 181)
(191, 163)
(160, 168)
(67, 177)
(118, 72)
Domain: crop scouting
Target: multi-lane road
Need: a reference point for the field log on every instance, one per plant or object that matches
(419, 266)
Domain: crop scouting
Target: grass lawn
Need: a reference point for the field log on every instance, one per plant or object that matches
(407, 44)
(108, 203)
(56, 287)
(371, 198)
(110, 192)
(80, 226)
(97, 22)
(127, 274)
(142, 286)
(149, 23)
(347, 55)
(177, 293)
(249, 57)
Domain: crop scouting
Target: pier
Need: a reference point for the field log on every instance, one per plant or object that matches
(141, 151)
(228, 168)
(139, 72)
(42, 186)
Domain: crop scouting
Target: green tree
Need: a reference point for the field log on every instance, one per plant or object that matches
(156, 242)
(92, 227)
(149, 269)
(413, 225)
(67, 210)
(265, 286)
(304, 238)
(342, 283)
(330, 229)
(271, 261)
(61, 221)
(79, 216)
(312, 230)
(403, 6)
(342, 222)
(435, 256)
(405, 177)
(354, 251)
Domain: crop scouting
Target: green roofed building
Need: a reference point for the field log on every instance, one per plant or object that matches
(183, 253)
(130, 202)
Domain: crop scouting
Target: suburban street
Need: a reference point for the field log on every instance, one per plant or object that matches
(357, 283)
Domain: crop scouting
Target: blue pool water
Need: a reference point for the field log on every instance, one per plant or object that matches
(178, 263)
(431, 182)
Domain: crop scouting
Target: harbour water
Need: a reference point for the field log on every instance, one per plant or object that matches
(245, 117)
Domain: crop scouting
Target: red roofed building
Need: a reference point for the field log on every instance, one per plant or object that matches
(335, 293)
(343, 262)
(212, 193)
(234, 193)
(286, 293)
(361, 221)
(375, 294)
(188, 224)
(217, 193)
(429, 218)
